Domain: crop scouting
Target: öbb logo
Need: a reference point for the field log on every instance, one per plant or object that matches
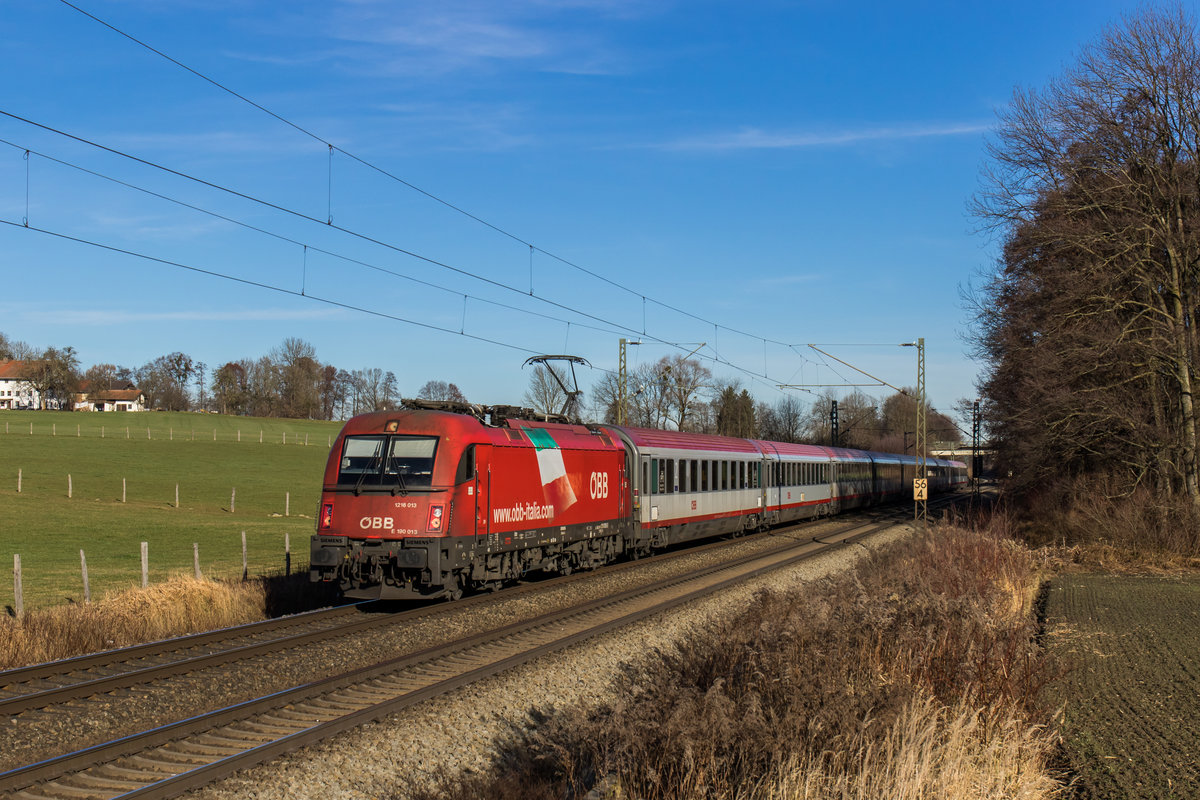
(375, 523)
(599, 485)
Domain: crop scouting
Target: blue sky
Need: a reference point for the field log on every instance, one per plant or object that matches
(782, 173)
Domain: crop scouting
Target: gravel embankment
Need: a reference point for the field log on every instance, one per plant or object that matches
(412, 748)
(35, 735)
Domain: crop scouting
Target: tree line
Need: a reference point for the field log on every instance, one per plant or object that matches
(287, 382)
(673, 393)
(1087, 323)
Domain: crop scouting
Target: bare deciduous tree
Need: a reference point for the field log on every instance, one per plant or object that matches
(441, 390)
(1087, 324)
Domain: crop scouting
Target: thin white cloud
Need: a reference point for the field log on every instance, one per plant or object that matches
(122, 317)
(758, 139)
(451, 35)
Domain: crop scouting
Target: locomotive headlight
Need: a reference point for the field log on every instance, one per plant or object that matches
(326, 516)
(435, 518)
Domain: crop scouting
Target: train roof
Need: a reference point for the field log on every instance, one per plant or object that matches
(680, 440)
(514, 432)
(794, 450)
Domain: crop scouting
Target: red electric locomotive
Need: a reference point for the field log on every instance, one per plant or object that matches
(422, 502)
(435, 498)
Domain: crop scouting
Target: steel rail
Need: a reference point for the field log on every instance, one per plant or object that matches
(140, 674)
(357, 683)
(83, 686)
(72, 688)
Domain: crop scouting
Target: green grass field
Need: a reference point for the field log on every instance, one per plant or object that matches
(207, 455)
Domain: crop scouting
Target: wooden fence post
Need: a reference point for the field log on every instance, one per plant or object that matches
(232, 499)
(287, 553)
(177, 495)
(87, 589)
(260, 435)
(287, 504)
(54, 429)
(196, 559)
(245, 567)
(70, 486)
(122, 490)
(18, 594)
(77, 434)
(19, 480)
(145, 564)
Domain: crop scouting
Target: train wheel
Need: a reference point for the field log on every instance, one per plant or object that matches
(454, 587)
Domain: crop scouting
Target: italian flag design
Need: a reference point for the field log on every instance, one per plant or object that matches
(556, 485)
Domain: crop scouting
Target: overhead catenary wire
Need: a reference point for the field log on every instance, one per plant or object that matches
(289, 240)
(430, 195)
(715, 358)
(262, 285)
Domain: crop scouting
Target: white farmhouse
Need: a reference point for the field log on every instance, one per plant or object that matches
(126, 398)
(15, 390)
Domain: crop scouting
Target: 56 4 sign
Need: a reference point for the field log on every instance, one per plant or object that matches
(920, 488)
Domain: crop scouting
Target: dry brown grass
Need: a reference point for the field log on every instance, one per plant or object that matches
(1101, 525)
(930, 751)
(179, 606)
(918, 675)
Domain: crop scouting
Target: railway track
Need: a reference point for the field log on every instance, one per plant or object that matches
(58, 682)
(174, 758)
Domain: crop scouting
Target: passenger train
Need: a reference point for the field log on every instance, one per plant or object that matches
(437, 498)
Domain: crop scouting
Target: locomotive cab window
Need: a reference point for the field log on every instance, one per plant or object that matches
(404, 461)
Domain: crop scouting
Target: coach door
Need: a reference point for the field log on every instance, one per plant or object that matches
(483, 489)
(623, 482)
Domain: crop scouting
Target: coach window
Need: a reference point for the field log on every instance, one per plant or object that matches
(693, 478)
(741, 484)
(704, 476)
(670, 484)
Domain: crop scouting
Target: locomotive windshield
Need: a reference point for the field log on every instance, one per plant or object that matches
(392, 462)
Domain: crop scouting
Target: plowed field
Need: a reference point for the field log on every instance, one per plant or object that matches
(1132, 696)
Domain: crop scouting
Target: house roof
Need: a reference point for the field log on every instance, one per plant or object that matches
(85, 387)
(130, 395)
(15, 370)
